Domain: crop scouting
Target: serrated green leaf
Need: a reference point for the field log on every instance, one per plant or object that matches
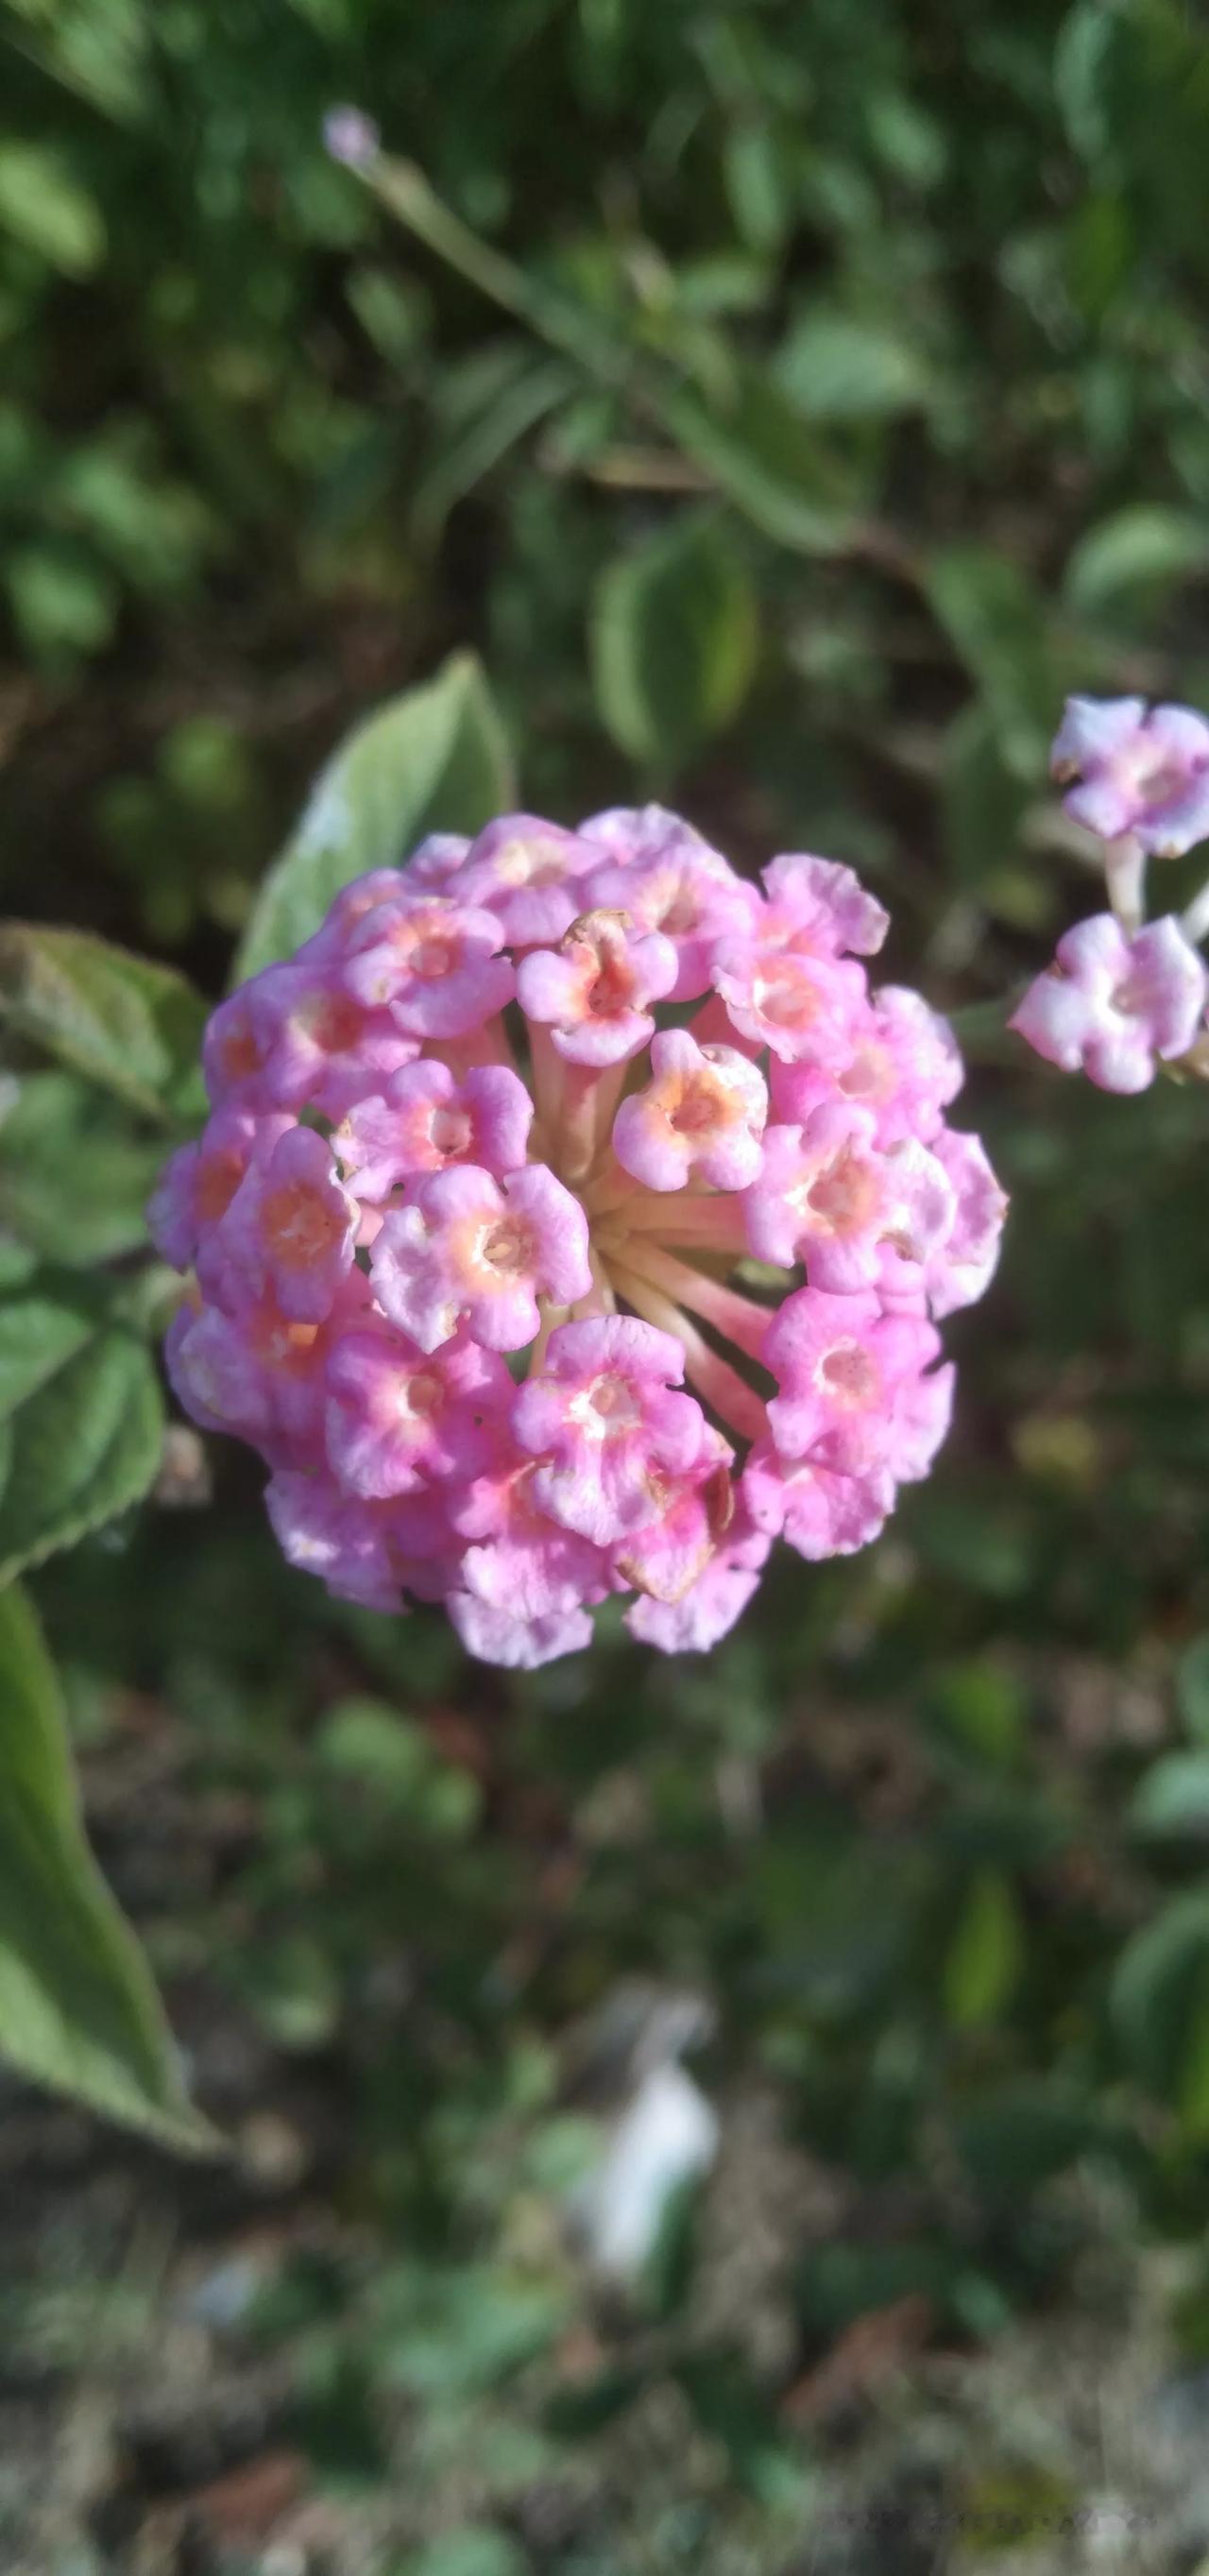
(130, 1026)
(78, 2009)
(434, 759)
(40, 1330)
(74, 1175)
(674, 639)
(80, 1397)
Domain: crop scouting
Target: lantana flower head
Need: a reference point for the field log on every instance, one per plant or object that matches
(572, 1222)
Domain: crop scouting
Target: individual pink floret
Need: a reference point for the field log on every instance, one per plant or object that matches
(397, 1416)
(348, 911)
(334, 1536)
(234, 1055)
(708, 1610)
(923, 1413)
(1109, 1005)
(199, 1181)
(291, 1228)
(687, 891)
(520, 1645)
(839, 1363)
(321, 1049)
(425, 1119)
(437, 858)
(363, 1551)
(790, 1000)
(701, 1114)
(527, 873)
(468, 1248)
(668, 1556)
(595, 989)
(819, 1512)
(826, 1194)
(824, 907)
(900, 1059)
(959, 1271)
(604, 1418)
(631, 834)
(517, 1559)
(259, 1374)
(1142, 771)
(434, 964)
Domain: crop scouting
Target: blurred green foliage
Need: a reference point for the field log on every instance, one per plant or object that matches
(787, 404)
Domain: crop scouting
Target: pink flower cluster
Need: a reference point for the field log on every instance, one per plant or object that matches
(573, 1219)
(1119, 999)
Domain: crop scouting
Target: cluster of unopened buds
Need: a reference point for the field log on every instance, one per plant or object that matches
(573, 1220)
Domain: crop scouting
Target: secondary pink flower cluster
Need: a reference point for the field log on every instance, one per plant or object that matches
(485, 1158)
(1119, 999)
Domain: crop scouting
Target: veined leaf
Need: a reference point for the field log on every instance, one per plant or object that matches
(82, 1415)
(434, 759)
(130, 1026)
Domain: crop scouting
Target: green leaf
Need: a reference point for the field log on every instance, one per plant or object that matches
(674, 640)
(982, 802)
(65, 604)
(1157, 1987)
(1172, 1797)
(986, 1952)
(473, 2549)
(74, 1177)
(758, 184)
(43, 205)
(834, 367)
(434, 759)
(463, 460)
(83, 1415)
(1192, 1688)
(995, 621)
(1143, 549)
(78, 2010)
(132, 1027)
(761, 454)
